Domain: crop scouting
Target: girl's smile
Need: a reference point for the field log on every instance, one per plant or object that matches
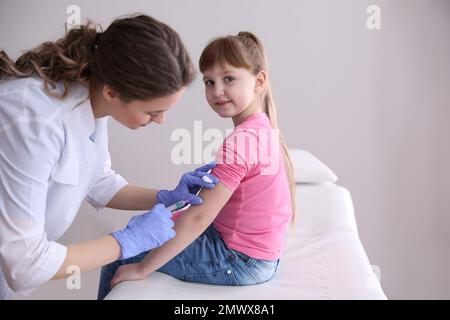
(223, 103)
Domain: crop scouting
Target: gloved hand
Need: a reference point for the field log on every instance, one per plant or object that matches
(189, 185)
(145, 232)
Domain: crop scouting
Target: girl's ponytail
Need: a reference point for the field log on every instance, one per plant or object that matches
(258, 60)
(271, 112)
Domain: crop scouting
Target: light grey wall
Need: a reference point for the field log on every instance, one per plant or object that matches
(373, 105)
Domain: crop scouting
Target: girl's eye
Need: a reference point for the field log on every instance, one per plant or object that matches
(228, 79)
(209, 83)
(153, 114)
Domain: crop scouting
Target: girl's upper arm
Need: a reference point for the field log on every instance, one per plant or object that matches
(213, 201)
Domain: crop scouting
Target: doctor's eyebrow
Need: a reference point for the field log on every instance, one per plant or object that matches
(156, 111)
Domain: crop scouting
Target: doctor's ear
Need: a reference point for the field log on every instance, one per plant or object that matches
(261, 81)
(109, 94)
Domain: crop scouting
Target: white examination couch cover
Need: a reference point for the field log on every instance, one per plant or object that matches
(323, 259)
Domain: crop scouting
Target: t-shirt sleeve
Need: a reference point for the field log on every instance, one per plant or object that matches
(235, 158)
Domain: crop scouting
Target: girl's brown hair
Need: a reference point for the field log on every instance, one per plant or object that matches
(246, 51)
(137, 56)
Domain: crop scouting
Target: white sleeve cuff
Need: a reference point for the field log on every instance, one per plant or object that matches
(31, 280)
(102, 193)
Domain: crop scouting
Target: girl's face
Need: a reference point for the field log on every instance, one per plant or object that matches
(233, 92)
(140, 113)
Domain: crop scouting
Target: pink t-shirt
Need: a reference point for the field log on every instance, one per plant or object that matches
(250, 164)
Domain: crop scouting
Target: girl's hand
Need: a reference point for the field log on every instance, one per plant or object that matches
(133, 271)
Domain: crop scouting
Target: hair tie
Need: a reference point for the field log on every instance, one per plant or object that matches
(96, 40)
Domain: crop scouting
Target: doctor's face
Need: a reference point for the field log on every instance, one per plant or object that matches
(140, 113)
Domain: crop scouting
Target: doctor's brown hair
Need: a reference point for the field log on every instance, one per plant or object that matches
(245, 50)
(138, 56)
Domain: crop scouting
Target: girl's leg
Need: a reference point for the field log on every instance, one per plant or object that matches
(205, 260)
(109, 271)
(208, 260)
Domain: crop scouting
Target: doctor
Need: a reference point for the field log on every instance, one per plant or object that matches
(54, 104)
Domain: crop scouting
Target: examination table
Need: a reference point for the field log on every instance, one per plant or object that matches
(323, 257)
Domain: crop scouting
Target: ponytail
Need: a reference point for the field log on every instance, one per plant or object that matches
(270, 111)
(67, 60)
(257, 55)
(137, 56)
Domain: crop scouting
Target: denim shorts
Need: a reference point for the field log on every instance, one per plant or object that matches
(206, 260)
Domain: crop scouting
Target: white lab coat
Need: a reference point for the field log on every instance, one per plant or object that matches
(53, 155)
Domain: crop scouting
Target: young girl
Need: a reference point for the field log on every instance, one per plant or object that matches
(236, 236)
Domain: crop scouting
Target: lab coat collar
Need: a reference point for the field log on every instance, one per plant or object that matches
(81, 109)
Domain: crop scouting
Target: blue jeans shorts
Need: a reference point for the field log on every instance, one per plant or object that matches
(206, 260)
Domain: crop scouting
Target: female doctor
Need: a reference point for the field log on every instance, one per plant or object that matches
(54, 104)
